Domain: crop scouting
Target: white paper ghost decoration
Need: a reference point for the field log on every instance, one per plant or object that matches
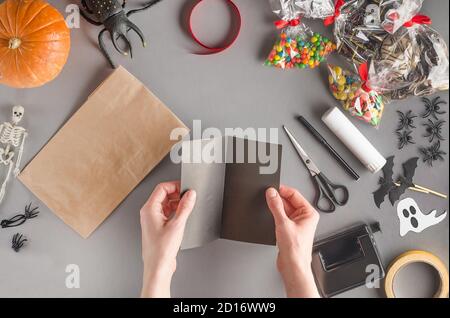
(412, 219)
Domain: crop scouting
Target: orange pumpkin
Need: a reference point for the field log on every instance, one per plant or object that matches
(34, 43)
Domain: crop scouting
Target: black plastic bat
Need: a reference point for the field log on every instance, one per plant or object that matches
(406, 181)
(386, 182)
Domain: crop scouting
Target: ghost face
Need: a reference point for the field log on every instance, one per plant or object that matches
(372, 16)
(17, 114)
(412, 219)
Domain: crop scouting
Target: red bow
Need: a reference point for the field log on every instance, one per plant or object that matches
(364, 75)
(280, 24)
(417, 19)
(337, 12)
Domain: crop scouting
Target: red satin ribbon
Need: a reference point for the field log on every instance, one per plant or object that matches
(417, 19)
(364, 75)
(235, 35)
(337, 12)
(281, 24)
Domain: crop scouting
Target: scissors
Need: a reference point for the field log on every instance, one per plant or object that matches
(328, 194)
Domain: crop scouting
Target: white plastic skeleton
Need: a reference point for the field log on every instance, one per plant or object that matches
(12, 139)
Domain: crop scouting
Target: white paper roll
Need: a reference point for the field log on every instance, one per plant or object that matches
(341, 126)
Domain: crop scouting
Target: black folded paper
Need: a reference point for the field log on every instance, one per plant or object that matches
(230, 176)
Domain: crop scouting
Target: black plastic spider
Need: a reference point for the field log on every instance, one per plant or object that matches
(434, 129)
(405, 120)
(18, 241)
(432, 153)
(432, 107)
(19, 219)
(404, 138)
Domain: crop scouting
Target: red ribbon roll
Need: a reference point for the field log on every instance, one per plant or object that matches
(364, 75)
(214, 50)
(417, 19)
(280, 24)
(337, 12)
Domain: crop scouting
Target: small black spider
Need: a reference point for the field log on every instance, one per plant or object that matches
(432, 107)
(18, 241)
(432, 153)
(19, 219)
(405, 120)
(404, 138)
(434, 129)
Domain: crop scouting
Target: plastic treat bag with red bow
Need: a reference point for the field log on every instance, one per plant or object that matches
(357, 29)
(297, 46)
(411, 62)
(356, 96)
(394, 13)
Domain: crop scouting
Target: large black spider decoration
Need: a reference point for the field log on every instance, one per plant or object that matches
(18, 241)
(404, 138)
(432, 153)
(432, 107)
(111, 14)
(434, 130)
(19, 219)
(405, 120)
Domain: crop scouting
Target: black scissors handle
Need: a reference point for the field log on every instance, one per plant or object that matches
(329, 194)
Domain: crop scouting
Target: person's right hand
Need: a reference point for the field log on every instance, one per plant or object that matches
(295, 225)
(163, 219)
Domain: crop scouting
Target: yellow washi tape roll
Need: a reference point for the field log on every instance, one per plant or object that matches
(416, 256)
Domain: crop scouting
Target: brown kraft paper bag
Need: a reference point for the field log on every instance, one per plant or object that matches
(102, 153)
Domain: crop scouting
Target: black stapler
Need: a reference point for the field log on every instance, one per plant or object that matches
(344, 261)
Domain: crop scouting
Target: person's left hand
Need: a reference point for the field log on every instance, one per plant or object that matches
(163, 219)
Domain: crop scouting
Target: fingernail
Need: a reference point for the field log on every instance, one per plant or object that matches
(191, 194)
(271, 193)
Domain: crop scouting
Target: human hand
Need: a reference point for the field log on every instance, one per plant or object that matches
(163, 219)
(295, 225)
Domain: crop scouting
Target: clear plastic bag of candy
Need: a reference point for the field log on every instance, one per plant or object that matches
(412, 62)
(358, 31)
(296, 46)
(394, 13)
(356, 97)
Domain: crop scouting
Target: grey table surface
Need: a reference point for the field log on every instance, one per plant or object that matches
(227, 90)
